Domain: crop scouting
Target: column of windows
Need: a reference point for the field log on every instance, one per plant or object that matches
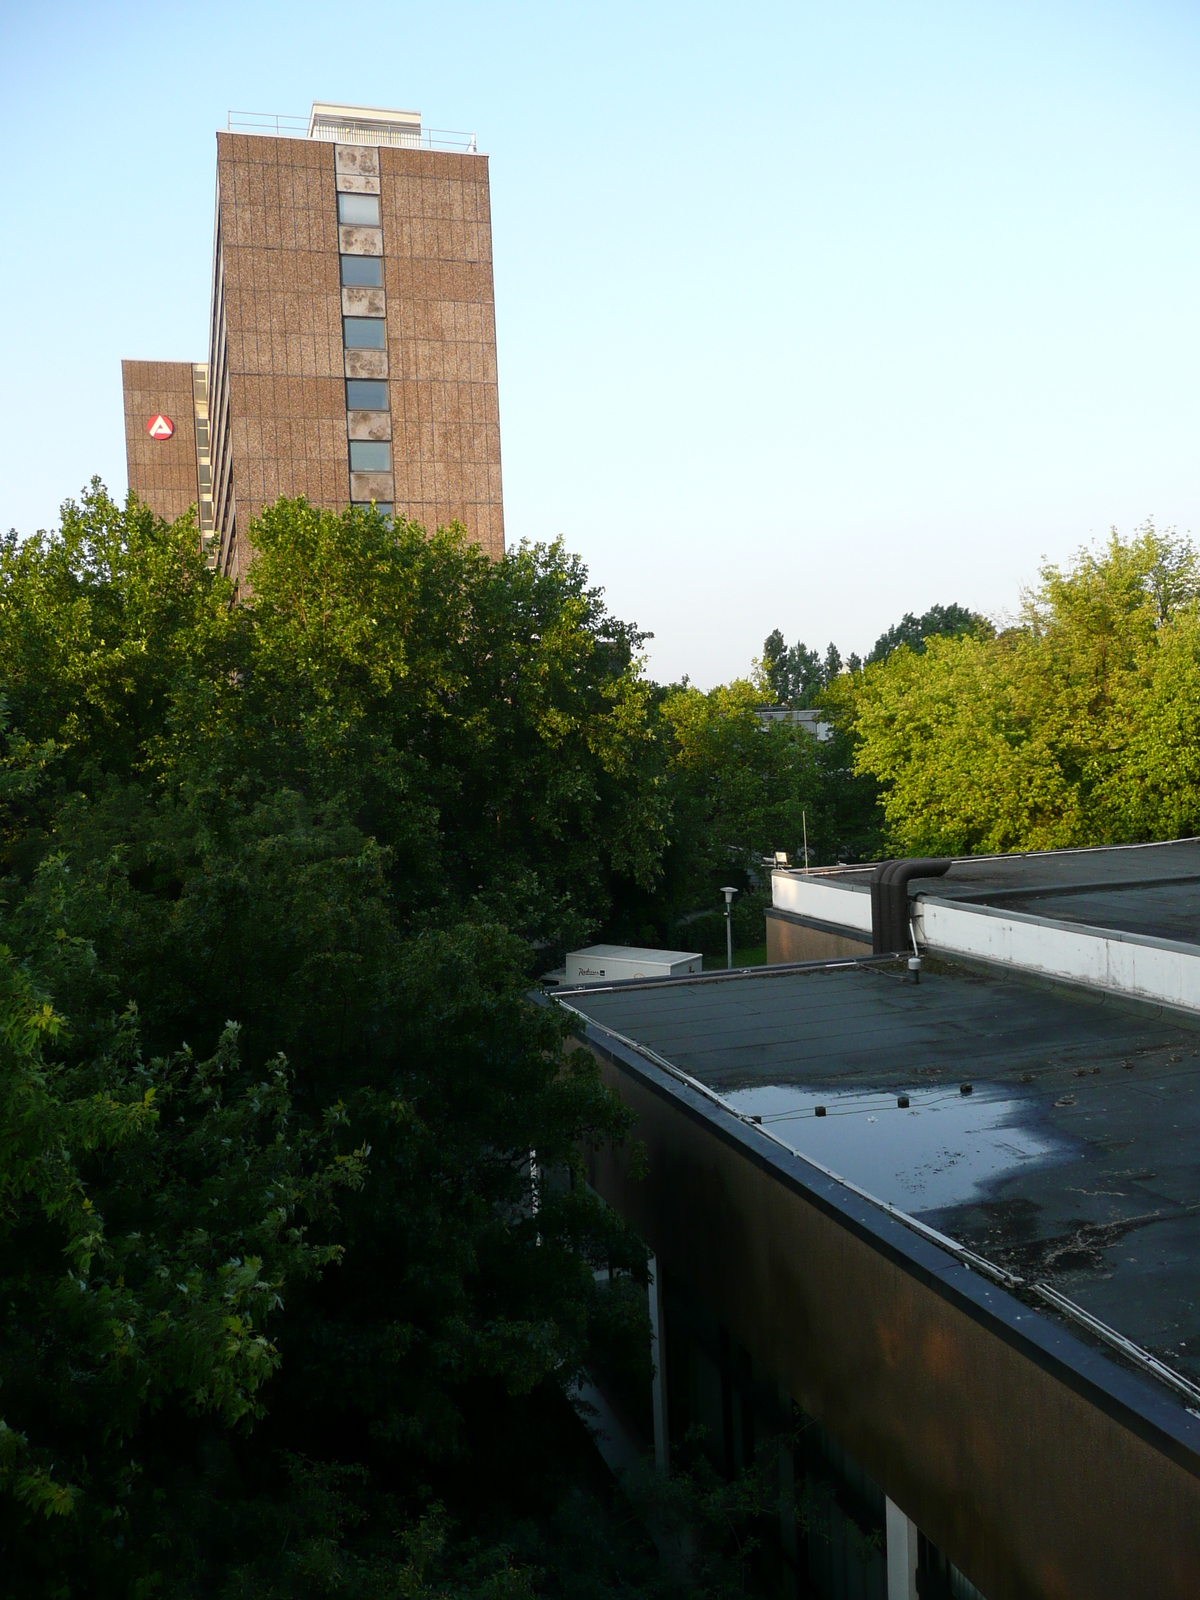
(203, 458)
(364, 326)
(224, 507)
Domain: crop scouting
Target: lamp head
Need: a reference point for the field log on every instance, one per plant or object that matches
(729, 894)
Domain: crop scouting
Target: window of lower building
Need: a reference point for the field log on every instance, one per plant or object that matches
(361, 210)
(362, 272)
(364, 333)
(366, 394)
(368, 455)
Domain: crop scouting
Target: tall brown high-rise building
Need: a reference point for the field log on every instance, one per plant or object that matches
(352, 346)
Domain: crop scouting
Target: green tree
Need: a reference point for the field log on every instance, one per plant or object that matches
(1075, 727)
(795, 675)
(850, 819)
(343, 816)
(776, 677)
(846, 818)
(939, 622)
(156, 1218)
(736, 789)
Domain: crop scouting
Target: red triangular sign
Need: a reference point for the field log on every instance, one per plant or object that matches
(160, 427)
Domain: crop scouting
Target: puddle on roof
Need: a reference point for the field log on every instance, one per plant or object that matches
(944, 1150)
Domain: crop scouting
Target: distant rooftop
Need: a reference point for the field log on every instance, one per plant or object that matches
(1123, 918)
(992, 880)
(338, 124)
(1151, 890)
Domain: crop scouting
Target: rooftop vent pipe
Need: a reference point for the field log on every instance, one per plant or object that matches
(889, 900)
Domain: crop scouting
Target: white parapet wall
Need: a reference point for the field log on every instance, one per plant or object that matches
(823, 899)
(1144, 968)
(1102, 958)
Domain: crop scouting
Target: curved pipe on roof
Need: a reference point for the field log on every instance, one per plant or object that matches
(889, 899)
(883, 931)
(878, 878)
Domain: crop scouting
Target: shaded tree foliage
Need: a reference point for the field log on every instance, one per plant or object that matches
(939, 622)
(272, 1242)
(735, 790)
(794, 675)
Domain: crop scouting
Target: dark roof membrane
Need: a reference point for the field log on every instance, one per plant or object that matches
(1072, 1161)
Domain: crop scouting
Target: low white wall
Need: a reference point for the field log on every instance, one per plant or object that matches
(819, 898)
(1103, 958)
(1164, 970)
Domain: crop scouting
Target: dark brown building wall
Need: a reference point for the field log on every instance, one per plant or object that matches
(283, 342)
(279, 248)
(162, 472)
(1035, 1481)
(437, 242)
(790, 938)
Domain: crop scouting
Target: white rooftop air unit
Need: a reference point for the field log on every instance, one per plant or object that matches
(371, 125)
(613, 963)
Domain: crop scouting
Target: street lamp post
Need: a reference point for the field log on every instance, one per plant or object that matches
(729, 894)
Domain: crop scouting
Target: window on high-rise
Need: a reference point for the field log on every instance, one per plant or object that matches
(366, 394)
(362, 272)
(361, 210)
(366, 455)
(364, 333)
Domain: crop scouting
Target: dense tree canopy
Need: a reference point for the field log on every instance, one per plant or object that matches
(1079, 725)
(735, 789)
(269, 1086)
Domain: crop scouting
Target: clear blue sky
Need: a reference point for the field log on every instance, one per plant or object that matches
(807, 315)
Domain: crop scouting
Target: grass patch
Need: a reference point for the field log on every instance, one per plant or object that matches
(754, 955)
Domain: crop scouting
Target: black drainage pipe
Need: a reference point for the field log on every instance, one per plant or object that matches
(889, 900)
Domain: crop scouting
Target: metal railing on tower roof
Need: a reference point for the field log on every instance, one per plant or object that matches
(351, 130)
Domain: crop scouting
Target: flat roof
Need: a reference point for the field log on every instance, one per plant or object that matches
(631, 952)
(1071, 1162)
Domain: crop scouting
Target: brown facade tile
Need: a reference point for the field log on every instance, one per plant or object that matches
(162, 472)
(372, 486)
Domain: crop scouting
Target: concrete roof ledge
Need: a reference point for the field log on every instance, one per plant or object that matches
(1136, 965)
(848, 905)
(958, 920)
